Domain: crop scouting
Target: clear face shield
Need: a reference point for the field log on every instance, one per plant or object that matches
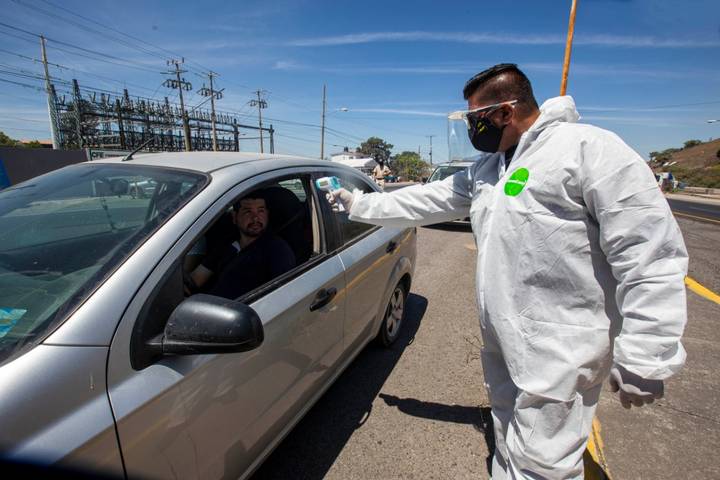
(466, 127)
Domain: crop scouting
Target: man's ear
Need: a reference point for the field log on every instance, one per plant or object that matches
(506, 114)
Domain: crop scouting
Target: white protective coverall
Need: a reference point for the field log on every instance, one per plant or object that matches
(583, 267)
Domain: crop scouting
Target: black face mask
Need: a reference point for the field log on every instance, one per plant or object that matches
(485, 136)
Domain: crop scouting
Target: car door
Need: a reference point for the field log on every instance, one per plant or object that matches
(216, 416)
(368, 254)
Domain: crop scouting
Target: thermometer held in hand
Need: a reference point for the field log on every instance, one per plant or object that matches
(329, 184)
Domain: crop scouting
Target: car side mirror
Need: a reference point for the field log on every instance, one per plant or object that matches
(206, 324)
(424, 179)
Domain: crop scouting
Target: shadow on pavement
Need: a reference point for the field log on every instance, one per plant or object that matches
(451, 227)
(311, 448)
(478, 417)
(481, 419)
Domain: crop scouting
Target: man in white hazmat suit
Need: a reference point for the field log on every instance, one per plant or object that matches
(580, 271)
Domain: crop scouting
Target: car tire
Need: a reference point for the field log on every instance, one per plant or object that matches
(394, 316)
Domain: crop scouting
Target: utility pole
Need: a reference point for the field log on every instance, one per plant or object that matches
(77, 102)
(52, 110)
(322, 129)
(260, 103)
(214, 95)
(430, 137)
(568, 48)
(181, 85)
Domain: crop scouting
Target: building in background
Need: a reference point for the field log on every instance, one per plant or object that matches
(355, 159)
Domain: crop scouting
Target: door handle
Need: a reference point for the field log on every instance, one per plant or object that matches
(391, 246)
(322, 298)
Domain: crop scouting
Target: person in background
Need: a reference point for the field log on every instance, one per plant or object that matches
(380, 171)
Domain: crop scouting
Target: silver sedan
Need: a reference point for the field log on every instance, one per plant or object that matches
(110, 362)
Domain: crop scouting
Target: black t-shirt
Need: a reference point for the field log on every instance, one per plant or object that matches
(238, 271)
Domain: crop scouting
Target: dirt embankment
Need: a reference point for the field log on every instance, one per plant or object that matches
(696, 166)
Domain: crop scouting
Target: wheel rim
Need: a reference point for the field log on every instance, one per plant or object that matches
(395, 310)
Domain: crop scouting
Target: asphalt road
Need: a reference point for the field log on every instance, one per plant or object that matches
(692, 206)
(418, 409)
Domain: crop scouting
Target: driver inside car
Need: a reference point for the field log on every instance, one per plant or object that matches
(253, 258)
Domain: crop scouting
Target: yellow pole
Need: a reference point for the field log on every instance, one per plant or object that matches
(568, 48)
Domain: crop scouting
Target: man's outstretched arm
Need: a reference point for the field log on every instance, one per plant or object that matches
(417, 205)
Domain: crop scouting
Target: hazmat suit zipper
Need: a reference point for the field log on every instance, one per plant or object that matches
(502, 171)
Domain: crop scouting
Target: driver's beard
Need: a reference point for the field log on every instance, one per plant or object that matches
(252, 234)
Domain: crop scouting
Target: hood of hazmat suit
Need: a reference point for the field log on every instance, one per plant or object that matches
(580, 264)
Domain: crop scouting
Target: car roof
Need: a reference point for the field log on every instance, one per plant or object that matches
(207, 162)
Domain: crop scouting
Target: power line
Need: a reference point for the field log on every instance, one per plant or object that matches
(22, 119)
(125, 34)
(24, 130)
(86, 51)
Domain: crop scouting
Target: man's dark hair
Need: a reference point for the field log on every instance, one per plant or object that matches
(502, 83)
(256, 195)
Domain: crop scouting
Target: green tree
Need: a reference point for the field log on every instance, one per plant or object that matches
(376, 148)
(6, 141)
(691, 143)
(409, 165)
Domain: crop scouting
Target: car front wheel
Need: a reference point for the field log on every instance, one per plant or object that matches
(394, 315)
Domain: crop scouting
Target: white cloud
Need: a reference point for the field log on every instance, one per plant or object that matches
(503, 38)
(642, 121)
(399, 111)
(615, 71)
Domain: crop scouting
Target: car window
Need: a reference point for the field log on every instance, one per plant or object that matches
(350, 230)
(263, 234)
(61, 234)
(441, 173)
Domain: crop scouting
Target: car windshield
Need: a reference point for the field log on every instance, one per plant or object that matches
(441, 173)
(61, 235)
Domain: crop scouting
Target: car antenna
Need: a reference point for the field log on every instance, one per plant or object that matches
(145, 144)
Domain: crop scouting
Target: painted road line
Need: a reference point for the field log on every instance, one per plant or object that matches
(702, 291)
(695, 217)
(596, 449)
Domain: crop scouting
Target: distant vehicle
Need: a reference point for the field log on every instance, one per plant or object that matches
(107, 365)
(666, 181)
(445, 170)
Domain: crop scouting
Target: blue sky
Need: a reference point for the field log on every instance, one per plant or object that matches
(647, 69)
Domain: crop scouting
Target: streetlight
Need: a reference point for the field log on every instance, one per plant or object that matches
(322, 125)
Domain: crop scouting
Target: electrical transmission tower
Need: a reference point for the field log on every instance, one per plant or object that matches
(181, 84)
(214, 95)
(260, 103)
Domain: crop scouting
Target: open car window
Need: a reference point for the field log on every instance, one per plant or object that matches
(223, 263)
(61, 234)
(351, 230)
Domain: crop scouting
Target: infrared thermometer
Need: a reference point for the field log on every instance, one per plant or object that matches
(328, 184)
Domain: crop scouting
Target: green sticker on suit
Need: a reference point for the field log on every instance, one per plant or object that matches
(516, 183)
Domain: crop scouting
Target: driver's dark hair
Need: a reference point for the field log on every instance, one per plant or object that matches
(501, 83)
(255, 195)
